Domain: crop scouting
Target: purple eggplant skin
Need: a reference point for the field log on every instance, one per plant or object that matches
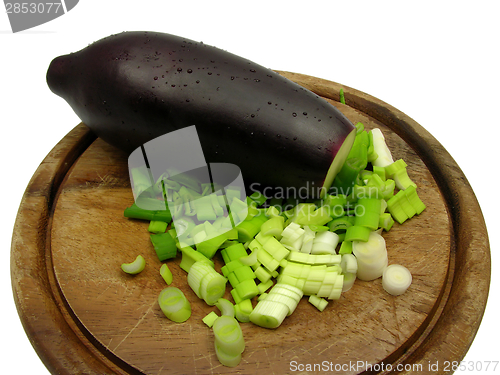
(132, 87)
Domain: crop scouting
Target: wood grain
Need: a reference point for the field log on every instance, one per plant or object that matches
(84, 315)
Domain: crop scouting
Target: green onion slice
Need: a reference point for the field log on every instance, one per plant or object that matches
(174, 304)
(135, 267)
(228, 335)
(166, 273)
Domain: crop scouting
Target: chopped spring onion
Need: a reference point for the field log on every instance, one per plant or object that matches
(402, 180)
(156, 226)
(384, 157)
(267, 260)
(357, 160)
(349, 279)
(341, 224)
(233, 280)
(226, 359)
(206, 282)
(204, 208)
(308, 239)
(339, 201)
(273, 226)
(292, 235)
(272, 211)
(164, 245)
(250, 259)
(262, 296)
(210, 319)
(236, 297)
(396, 279)
(213, 287)
(349, 264)
(228, 335)
(190, 256)
(318, 302)
(325, 243)
(235, 252)
(247, 289)
(244, 273)
(395, 167)
(372, 249)
(279, 303)
(166, 273)
(296, 293)
(341, 96)
(320, 217)
(409, 210)
(297, 246)
(174, 304)
(184, 226)
(369, 219)
(413, 198)
(337, 287)
(135, 212)
(287, 294)
(381, 172)
(345, 247)
(196, 274)
(395, 207)
(357, 233)
(262, 274)
(371, 257)
(249, 228)
(209, 247)
(286, 300)
(275, 249)
(386, 221)
(405, 204)
(328, 259)
(225, 307)
(388, 191)
(269, 314)
(258, 198)
(232, 266)
(243, 310)
(317, 228)
(372, 155)
(135, 267)
(263, 287)
(218, 209)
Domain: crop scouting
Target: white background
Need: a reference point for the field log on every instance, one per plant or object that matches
(435, 61)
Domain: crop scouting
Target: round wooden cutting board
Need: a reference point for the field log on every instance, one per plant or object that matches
(83, 315)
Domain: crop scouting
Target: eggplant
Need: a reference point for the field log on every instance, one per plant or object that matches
(132, 87)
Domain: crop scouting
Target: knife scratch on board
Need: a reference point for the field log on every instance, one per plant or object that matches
(102, 293)
(395, 320)
(267, 357)
(292, 348)
(105, 180)
(328, 347)
(136, 325)
(197, 356)
(109, 343)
